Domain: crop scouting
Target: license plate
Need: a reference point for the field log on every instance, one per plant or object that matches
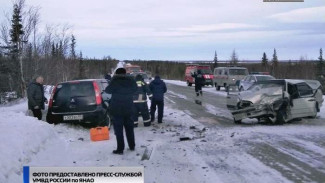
(73, 117)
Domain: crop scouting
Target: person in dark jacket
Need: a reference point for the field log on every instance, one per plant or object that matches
(199, 82)
(122, 88)
(158, 88)
(140, 102)
(36, 98)
(108, 77)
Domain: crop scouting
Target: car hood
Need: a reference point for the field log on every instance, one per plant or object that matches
(266, 95)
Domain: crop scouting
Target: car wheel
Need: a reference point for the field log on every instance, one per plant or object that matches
(237, 121)
(280, 117)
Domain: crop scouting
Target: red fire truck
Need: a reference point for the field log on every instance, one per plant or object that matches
(132, 68)
(205, 70)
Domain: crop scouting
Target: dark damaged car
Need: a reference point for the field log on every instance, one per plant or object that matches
(278, 101)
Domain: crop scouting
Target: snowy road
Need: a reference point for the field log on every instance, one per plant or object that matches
(218, 151)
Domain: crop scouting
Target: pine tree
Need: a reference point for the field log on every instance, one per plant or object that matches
(275, 62)
(264, 61)
(234, 58)
(82, 70)
(53, 51)
(215, 60)
(73, 47)
(320, 64)
(16, 33)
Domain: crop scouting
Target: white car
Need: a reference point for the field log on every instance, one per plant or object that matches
(249, 80)
(278, 101)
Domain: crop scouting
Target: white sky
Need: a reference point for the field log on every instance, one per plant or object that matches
(188, 29)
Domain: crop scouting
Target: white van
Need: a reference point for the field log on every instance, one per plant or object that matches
(225, 76)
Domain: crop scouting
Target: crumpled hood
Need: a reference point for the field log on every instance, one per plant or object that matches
(267, 95)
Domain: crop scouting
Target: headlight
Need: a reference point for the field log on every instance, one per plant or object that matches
(233, 79)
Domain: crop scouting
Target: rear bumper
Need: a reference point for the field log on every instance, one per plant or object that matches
(89, 117)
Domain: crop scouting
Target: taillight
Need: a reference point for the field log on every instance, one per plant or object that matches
(97, 93)
(52, 95)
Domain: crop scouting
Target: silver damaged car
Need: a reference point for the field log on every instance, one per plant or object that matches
(276, 101)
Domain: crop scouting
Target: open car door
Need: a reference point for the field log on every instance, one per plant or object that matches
(232, 97)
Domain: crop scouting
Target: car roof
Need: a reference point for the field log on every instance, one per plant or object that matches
(259, 75)
(83, 80)
(230, 68)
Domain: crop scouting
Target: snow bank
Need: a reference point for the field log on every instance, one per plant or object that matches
(22, 138)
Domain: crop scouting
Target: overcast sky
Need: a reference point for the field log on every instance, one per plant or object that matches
(188, 29)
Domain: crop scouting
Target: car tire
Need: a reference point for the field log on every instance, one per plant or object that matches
(280, 117)
(237, 121)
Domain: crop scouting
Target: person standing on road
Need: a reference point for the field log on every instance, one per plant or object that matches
(108, 77)
(36, 98)
(140, 102)
(122, 88)
(158, 88)
(199, 82)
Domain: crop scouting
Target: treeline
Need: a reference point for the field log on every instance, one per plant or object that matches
(26, 51)
(303, 69)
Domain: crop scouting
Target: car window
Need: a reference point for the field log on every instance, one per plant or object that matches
(79, 89)
(252, 79)
(304, 90)
(226, 72)
(220, 72)
(264, 78)
(237, 71)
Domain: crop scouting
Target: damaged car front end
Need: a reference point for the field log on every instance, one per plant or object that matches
(262, 100)
(278, 101)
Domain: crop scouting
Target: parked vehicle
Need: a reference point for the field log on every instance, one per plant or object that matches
(205, 70)
(144, 76)
(132, 68)
(225, 76)
(249, 80)
(80, 101)
(278, 101)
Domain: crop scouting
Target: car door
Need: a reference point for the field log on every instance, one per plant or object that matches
(232, 97)
(305, 103)
(247, 82)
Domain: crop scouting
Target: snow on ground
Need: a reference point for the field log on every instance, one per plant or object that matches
(232, 154)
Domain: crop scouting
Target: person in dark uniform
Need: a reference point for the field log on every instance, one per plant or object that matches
(108, 77)
(140, 102)
(199, 82)
(158, 88)
(122, 88)
(36, 98)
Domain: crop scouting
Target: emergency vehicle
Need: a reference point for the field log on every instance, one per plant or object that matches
(205, 70)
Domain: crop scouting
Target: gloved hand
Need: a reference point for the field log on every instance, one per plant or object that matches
(36, 107)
